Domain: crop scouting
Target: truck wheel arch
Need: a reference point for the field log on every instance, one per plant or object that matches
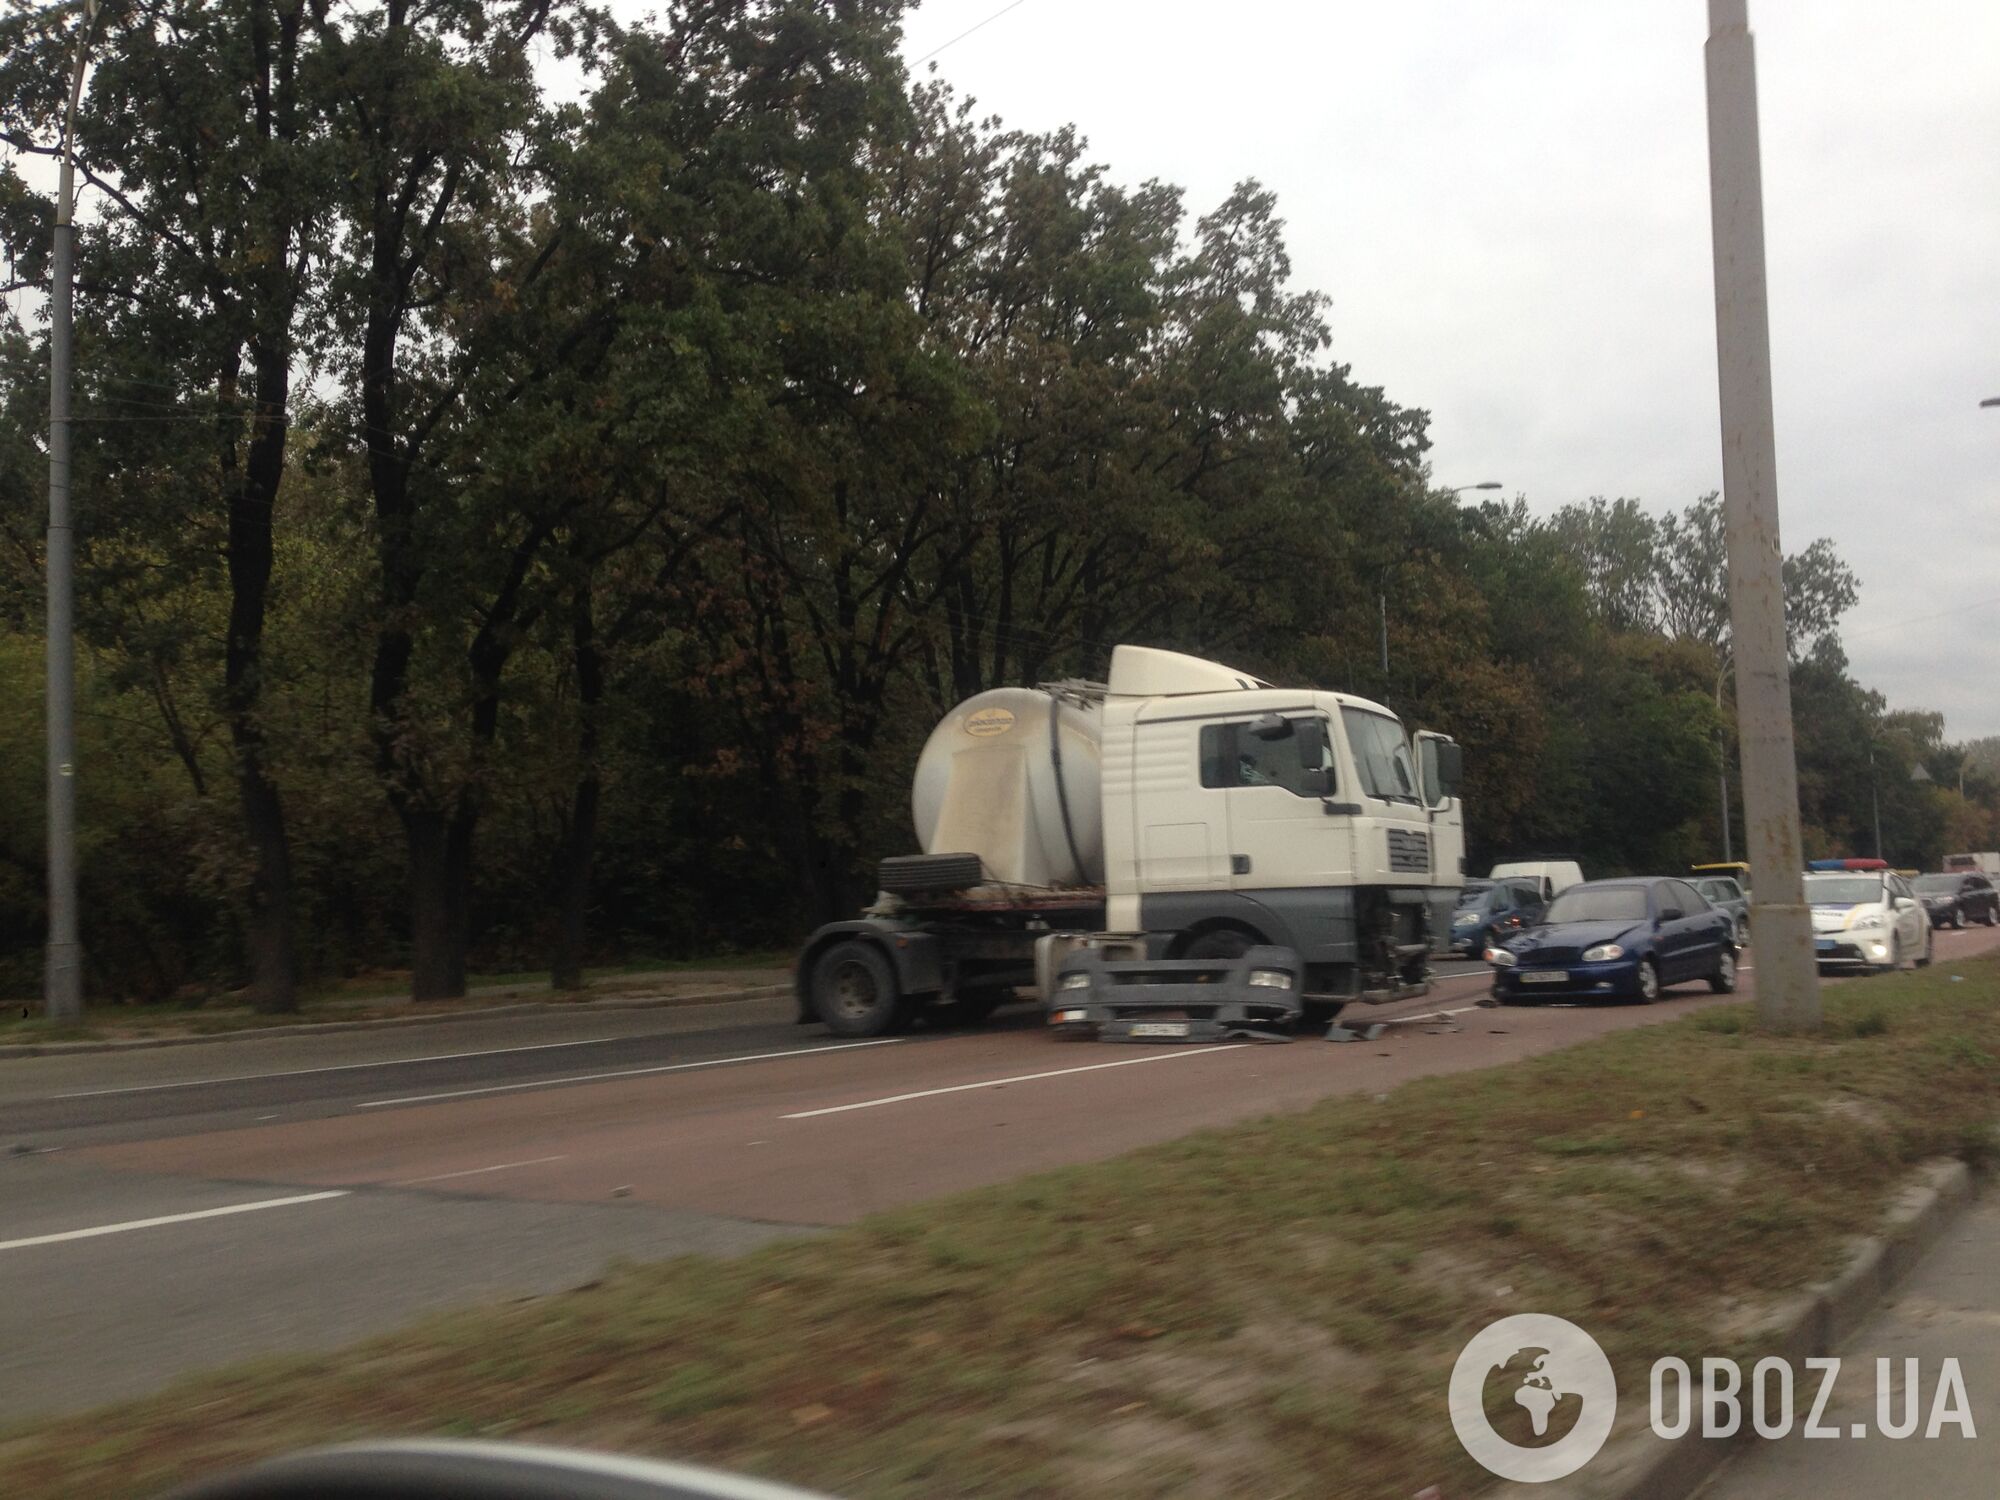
(1186, 941)
(911, 952)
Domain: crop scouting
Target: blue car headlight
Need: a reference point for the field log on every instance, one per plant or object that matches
(1603, 953)
(1500, 958)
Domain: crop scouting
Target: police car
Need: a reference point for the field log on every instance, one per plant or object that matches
(1865, 916)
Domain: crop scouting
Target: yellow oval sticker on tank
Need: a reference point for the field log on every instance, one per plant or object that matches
(987, 722)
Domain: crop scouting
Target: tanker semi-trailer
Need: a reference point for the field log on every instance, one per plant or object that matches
(1182, 801)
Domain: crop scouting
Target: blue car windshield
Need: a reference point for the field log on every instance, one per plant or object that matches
(1606, 903)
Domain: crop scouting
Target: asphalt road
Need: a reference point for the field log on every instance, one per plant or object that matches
(163, 1211)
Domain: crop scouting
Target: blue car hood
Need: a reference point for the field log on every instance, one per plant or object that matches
(1580, 935)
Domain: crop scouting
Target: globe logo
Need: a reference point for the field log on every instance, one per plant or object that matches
(1532, 1398)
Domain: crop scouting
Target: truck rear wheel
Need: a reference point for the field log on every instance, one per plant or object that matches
(854, 991)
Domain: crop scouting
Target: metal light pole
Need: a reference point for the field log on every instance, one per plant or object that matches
(62, 981)
(1875, 801)
(1781, 927)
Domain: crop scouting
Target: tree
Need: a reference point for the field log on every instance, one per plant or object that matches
(200, 133)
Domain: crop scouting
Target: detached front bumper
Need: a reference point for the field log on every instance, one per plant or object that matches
(1620, 976)
(1177, 999)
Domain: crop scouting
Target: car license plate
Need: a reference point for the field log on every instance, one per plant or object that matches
(1545, 976)
(1159, 1028)
(1824, 945)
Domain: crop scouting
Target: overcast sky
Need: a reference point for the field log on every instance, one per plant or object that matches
(1508, 203)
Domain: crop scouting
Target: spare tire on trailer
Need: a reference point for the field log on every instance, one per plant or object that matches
(930, 874)
(854, 991)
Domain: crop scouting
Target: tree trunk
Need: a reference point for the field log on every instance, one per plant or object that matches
(252, 497)
(267, 917)
(578, 849)
(440, 860)
(579, 845)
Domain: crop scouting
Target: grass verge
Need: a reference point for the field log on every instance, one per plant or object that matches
(1270, 1310)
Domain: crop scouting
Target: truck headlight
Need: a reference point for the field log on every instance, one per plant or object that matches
(1603, 953)
(1270, 979)
(1074, 982)
(1500, 958)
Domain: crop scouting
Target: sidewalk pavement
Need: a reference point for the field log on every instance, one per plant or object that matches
(1948, 1309)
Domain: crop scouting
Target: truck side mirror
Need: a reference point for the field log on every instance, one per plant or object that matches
(1316, 783)
(1312, 742)
(1450, 766)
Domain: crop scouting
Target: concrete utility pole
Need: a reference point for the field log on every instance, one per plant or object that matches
(1780, 926)
(62, 981)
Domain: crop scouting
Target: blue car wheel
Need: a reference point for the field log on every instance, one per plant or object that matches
(1649, 980)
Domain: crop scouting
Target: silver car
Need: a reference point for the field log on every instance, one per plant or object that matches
(1725, 894)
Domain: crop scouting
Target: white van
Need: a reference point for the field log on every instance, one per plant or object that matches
(1553, 875)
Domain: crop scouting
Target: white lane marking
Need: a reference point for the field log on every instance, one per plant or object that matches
(994, 1083)
(549, 1083)
(388, 1062)
(505, 1166)
(187, 1218)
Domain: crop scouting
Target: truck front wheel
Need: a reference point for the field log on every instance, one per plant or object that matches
(1221, 942)
(854, 991)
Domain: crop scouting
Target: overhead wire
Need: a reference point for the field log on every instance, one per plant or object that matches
(1015, 5)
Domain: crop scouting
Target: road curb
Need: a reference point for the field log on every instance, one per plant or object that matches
(1814, 1322)
(314, 1028)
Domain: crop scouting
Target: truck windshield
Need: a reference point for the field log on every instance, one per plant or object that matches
(1381, 755)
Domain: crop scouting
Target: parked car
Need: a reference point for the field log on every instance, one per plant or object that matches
(1549, 876)
(1489, 910)
(1866, 919)
(1725, 894)
(1954, 900)
(1618, 937)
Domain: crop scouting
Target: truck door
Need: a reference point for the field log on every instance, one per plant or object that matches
(1278, 773)
(1180, 822)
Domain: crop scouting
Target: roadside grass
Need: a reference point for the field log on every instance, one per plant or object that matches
(1273, 1309)
(368, 997)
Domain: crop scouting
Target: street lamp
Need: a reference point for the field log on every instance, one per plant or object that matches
(1491, 484)
(1787, 977)
(1991, 401)
(62, 977)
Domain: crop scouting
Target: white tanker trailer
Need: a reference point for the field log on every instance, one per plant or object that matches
(1187, 806)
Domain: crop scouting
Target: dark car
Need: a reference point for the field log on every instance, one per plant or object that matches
(1489, 910)
(1618, 937)
(1955, 900)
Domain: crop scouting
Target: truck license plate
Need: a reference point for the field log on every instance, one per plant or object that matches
(1544, 976)
(1159, 1028)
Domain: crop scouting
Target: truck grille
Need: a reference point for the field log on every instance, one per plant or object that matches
(1409, 851)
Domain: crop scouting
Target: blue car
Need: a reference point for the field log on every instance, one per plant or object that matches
(1618, 937)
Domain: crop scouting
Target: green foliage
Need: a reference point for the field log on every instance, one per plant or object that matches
(524, 528)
